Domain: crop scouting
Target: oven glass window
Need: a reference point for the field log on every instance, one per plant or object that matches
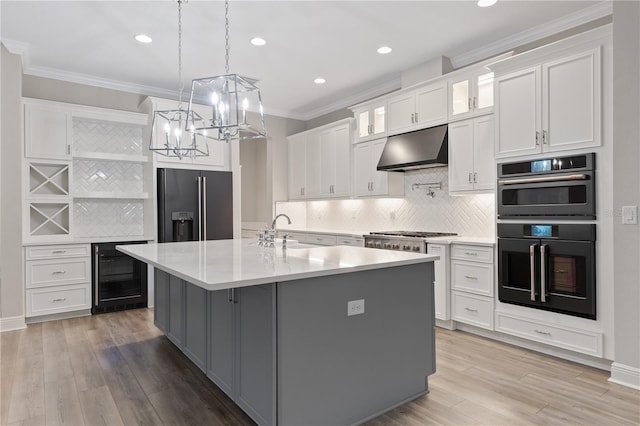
(542, 196)
(567, 275)
(518, 271)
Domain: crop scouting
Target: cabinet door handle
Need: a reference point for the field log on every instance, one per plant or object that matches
(229, 296)
(58, 252)
(546, 333)
(475, 105)
(470, 253)
(60, 299)
(68, 149)
(537, 138)
(470, 309)
(470, 104)
(416, 116)
(475, 177)
(470, 277)
(470, 174)
(545, 137)
(59, 272)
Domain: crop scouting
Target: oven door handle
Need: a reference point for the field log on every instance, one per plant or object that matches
(532, 278)
(543, 273)
(578, 176)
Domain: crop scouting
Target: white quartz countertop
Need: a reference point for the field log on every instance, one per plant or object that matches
(223, 264)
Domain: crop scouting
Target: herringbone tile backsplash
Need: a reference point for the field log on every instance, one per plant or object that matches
(107, 176)
(103, 136)
(108, 218)
(469, 215)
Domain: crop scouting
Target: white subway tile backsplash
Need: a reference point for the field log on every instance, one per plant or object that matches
(469, 215)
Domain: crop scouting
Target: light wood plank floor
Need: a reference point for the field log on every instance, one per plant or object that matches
(118, 369)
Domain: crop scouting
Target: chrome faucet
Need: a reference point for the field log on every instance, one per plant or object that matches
(270, 234)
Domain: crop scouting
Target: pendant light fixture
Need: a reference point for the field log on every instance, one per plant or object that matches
(235, 102)
(169, 134)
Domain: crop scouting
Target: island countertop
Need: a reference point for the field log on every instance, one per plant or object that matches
(224, 264)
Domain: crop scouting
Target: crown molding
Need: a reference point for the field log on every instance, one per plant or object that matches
(18, 48)
(556, 26)
(379, 89)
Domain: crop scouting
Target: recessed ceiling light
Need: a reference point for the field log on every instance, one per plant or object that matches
(486, 3)
(257, 41)
(319, 80)
(143, 38)
(384, 50)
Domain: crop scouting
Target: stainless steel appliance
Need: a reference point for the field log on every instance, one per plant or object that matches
(119, 280)
(402, 240)
(553, 188)
(549, 267)
(194, 205)
(419, 149)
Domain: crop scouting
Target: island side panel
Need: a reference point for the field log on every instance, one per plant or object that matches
(338, 369)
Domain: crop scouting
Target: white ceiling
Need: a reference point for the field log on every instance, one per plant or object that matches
(92, 42)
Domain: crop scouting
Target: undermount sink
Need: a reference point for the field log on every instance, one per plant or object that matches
(278, 243)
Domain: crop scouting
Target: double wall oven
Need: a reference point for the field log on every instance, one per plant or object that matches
(546, 249)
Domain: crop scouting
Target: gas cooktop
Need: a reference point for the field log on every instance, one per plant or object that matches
(415, 234)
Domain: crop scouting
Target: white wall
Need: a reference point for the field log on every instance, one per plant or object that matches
(11, 263)
(626, 190)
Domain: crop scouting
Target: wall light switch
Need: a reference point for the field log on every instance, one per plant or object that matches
(629, 215)
(355, 307)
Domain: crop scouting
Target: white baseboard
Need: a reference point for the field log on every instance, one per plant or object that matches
(12, 323)
(625, 375)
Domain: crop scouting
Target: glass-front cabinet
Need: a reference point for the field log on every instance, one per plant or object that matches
(371, 120)
(471, 94)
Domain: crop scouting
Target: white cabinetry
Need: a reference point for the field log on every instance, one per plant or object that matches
(471, 160)
(320, 162)
(472, 273)
(58, 279)
(47, 130)
(335, 160)
(367, 180)
(550, 107)
(471, 94)
(441, 284)
(219, 151)
(371, 120)
(419, 108)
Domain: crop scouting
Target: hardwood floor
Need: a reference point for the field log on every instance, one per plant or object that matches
(118, 369)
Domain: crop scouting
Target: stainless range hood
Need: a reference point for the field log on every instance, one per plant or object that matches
(420, 149)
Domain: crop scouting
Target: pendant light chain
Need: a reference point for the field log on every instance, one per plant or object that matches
(226, 36)
(180, 81)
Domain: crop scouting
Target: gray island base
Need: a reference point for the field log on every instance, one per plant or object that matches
(288, 353)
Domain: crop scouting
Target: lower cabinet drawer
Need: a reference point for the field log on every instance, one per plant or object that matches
(472, 309)
(318, 239)
(583, 341)
(43, 273)
(58, 251)
(473, 277)
(53, 300)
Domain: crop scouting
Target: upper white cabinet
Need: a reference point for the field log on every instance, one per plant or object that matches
(471, 94)
(371, 120)
(219, 151)
(550, 107)
(471, 161)
(335, 159)
(367, 180)
(47, 130)
(319, 162)
(419, 108)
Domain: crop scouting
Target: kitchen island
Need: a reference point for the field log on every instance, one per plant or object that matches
(313, 336)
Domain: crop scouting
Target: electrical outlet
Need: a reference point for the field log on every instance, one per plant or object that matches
(629, 215)
(355, 307)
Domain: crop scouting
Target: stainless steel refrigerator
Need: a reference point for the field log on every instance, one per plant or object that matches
(194, 205)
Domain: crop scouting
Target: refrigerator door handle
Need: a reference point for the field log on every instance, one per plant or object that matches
(204, 208)
(532, 268)
(199, 179)
(543, 273)
(96, 273)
